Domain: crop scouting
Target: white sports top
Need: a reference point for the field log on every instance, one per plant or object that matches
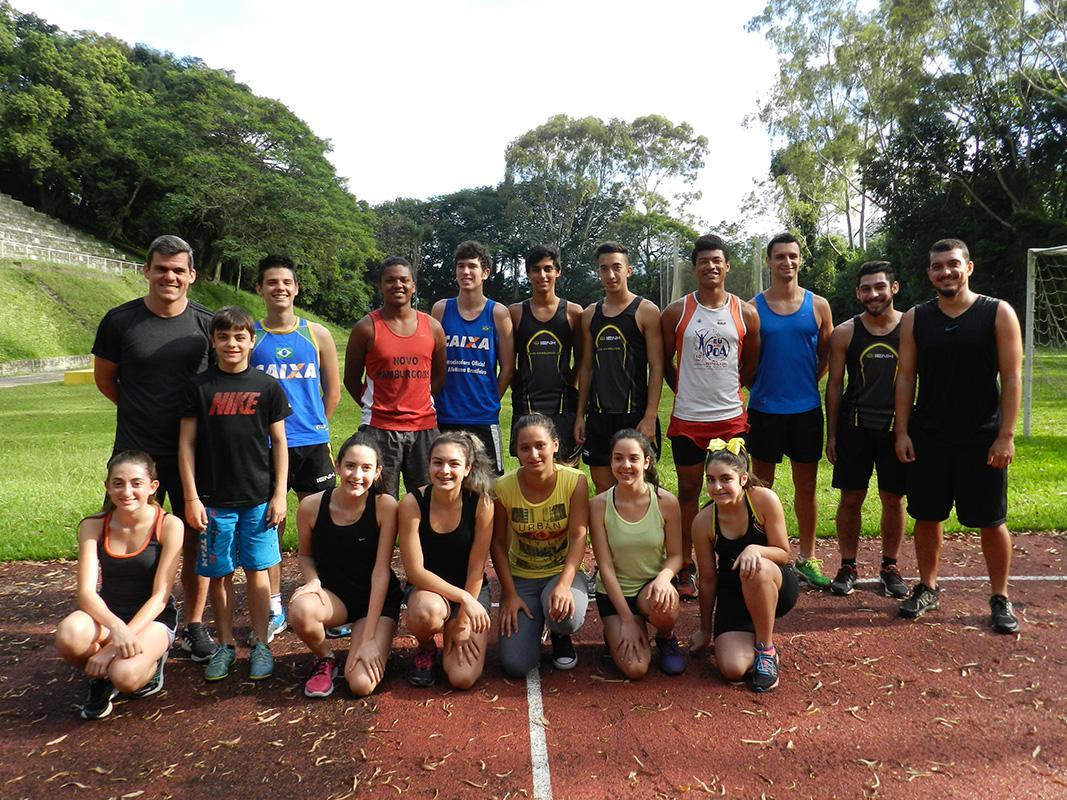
(708, 346)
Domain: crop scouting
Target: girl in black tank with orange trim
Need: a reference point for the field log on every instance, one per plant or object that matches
(346, 546)
(444, 531)
(746, 578)
(121, 634)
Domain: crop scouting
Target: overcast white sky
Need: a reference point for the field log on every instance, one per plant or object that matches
(422, 98)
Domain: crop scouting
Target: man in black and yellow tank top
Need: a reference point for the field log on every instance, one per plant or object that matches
(621, 370)
(966, 351)
(859, 425)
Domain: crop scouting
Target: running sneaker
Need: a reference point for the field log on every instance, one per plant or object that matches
(422, 672)
(687, 582)
(1003, 614)
(276, 624)
(564, 656)
(97, 703)
(218, 666)
(672, 660)
(155, 683)
(320, 682)
(892, 583)
(764, 668)
(197, 642)
(810, 571)
(339, 632)
(260, 662)
(922, 599)
(845, 581)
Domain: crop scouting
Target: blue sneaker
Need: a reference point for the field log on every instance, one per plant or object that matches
(765, 668)
(260, 662)
(672, 660)
(275, 625)
(340, 632)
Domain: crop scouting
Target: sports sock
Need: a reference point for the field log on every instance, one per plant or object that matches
(275, 604)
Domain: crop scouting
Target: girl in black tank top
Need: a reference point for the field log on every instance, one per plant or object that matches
(121, 634)
(445, 530)
(543, 379)
(746, 579)
(346, 547)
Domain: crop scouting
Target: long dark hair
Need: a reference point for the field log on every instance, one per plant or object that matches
(481, 479)
(651, 473)
(368, 440)
(139, 458)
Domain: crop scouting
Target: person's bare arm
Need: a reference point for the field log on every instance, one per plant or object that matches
(704, 552)
(826, 327)
(194, 513)
(106, 376)
(751, 345)
(360, 341)
(1009, 365)
(904, 390)
(505, 349)
(648, 321)
(574, 319)
(835, 384)
(437, 311)
(329, 370)
(515, 313)
(667, 323)
(585, 373)
(439, 367)
(279, 452)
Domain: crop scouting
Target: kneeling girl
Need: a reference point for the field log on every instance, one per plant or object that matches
(445, 529)
(121, 634)
(636, 531)
(746, 578)
(346, 545)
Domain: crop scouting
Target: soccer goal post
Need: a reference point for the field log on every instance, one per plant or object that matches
(1045, 339)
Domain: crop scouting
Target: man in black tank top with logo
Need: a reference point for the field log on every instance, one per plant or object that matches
(960, 437)
(859, 425)
(621, 370)
(546, 334)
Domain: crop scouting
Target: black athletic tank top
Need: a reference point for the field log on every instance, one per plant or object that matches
(127, 580)
(956, 367)
(871, 364)
(447, 554)
(620, 362)
(543, 379)
(727, 550)
(345, 554)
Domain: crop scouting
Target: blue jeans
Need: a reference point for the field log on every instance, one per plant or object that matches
(521, 652)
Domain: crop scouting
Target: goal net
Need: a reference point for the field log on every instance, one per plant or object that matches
(1045, 364)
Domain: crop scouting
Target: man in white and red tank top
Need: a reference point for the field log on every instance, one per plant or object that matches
(401, 354)
(710, 350)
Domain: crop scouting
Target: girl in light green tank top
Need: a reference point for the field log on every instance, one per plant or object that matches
(635, 527)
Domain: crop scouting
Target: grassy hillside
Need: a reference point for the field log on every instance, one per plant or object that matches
(54, 310)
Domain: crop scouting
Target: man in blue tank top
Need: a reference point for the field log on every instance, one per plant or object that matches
(303, 357)
(859, 425)
(480, 353)
(784, 405)
(965, 351)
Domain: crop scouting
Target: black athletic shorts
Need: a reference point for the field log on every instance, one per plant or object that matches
(946, 473)
(859, 452)
(311, 468)
(170, 484)
(731, 613)
(599, 428)
(489, 436)
(356, 601)
(485, 598)
(605, 608)
(798, 436)
(568, 452)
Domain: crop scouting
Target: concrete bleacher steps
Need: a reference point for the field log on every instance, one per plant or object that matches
(29, 234)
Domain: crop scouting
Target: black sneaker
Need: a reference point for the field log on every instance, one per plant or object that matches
(97, 703)
(922, 599)
(423, 672)
(892, 584)
(764, 668)
(1003, 614)
(197, 642)
(564, 655)
(155, 683)
(844, 583)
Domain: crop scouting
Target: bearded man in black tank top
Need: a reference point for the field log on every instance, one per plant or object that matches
(960, 437)
(620, 376)
(547, 333)
(859, 425)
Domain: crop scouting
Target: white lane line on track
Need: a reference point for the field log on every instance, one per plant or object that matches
(981, 579)
(542, 777)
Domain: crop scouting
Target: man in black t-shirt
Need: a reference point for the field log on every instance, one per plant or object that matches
(145, 352)
(233, 460)
(960, 438)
